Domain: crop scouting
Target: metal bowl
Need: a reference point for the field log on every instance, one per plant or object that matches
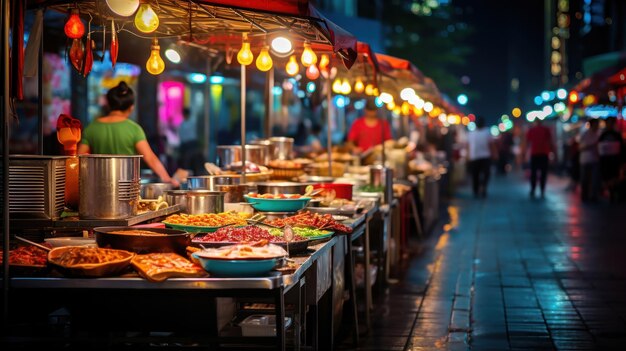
(276, 188)
(174, 241)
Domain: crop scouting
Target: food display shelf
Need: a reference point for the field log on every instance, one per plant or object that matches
(73, 222)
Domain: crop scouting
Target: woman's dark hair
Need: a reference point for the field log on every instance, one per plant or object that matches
(120, 98)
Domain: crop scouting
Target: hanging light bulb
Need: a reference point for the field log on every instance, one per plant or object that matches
(155, 64)
(123, 8)
(74, 27)
(346, 88)
(281, 46)
(324, 61)
(369, 89)
(376, 92)
(312, 72)
(146, 20)
(406, 108)
(292, 67)
(358, 86)
(337, 86)
(245, 56)
(308, 56)
(391, 105)
(264, 60)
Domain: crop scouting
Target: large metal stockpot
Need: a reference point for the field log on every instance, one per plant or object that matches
(205, 201)
(211, 182)
(109, 186)
(176, 197)
(282, 148)
(230, 154)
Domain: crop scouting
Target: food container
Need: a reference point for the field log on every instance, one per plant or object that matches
(342, 191)
(282, 148)
(205, 201)
(152, 191)
(95, 270)
(382, 176)
(278, 205)
(176, 197)
(109, 186)
(236, 268)
(261, 325)
(230, 154)
(276, 188)
(174, 240)
(233, 193)
(210, 182)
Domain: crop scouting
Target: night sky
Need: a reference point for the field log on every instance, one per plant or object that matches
(508, 43)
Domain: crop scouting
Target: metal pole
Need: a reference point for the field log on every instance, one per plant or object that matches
(329, 142)
(40, 94)
(269, 102)
(207, 110)
(243, 124)
(6, 111)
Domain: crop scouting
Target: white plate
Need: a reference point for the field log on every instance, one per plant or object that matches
(340, 218)
(71, 241)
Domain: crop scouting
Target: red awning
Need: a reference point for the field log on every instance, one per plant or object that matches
(618, 78)
(404, 67)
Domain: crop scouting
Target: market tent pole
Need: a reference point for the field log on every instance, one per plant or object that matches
(269, 102)
(243, 124)
(329, 142)
(40, 95)
(6, 111)
(207, 110)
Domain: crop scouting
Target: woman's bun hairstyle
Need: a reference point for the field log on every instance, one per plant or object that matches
(121, 97)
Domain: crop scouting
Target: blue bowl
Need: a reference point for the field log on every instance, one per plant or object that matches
(277, 205)
(236, 268)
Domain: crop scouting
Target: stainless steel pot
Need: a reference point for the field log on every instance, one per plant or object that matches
(282, 148)
(233, 193)
(176, 197)
(109, 186)
(205, 201)
(230, 154)
(282, 188)
(382, 176)
(211, 182)
(154, 190)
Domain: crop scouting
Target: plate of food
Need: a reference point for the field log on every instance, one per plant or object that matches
(240, 260)
(157, 267)
(27, 260)
(277, 203)
(205, 223)
(85, 261)
(242, 235)
(142, 240)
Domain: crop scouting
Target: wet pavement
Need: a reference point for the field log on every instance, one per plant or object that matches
(510, 272)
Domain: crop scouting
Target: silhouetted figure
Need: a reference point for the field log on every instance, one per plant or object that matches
(611, 152)
(589, 163)
(481, 147)
(539, 139)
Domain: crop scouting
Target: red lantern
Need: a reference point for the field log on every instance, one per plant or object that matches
(74, 27)
(312, 72)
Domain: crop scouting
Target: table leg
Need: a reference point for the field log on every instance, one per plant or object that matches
(350, 279)
(280, 319)
(368, 280)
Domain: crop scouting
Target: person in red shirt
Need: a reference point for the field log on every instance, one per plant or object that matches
(539, 140)
(369, 130)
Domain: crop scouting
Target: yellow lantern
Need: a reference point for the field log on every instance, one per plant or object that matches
(359, 86)
(245, 56)
(264, 60)
(292, 67)
(155, 64)
(324, 62)
(337, 88)
(308, 56)
(346, 88)
(146, 20)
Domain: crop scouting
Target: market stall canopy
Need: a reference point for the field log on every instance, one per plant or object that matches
(619, 78)
(595, 88)
(198, 20)
(401, 68)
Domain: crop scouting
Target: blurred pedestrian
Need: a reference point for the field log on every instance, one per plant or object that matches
(481, 150)
(539, 140)
(505, 147)
(611, 153)
(589, 162)
(190, 154)
(368, 130)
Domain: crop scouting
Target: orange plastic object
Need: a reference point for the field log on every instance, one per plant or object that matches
(68, 134)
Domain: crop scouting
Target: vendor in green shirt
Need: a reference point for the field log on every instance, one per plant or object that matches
(115, 134)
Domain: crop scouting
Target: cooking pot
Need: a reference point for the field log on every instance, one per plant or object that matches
(154, 190)
(211, 182)
(282, 188)
(230, 154)
(109, 186)
(205, 201)
(176, 197)
(282, 148)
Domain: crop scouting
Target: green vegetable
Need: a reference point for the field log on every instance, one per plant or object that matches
(305, 232)
(372, 189)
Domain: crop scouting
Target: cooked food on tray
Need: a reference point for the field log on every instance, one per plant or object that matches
(276, 196)
(151, 205)
(80, 255)
(27, 256)
(160, 266)
(246, 235)
(140, 232)
(285, 164)
(244, 251)
(209, 219)
(309, 219)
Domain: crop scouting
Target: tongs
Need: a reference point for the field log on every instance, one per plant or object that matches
(258, 219)
(45, 248)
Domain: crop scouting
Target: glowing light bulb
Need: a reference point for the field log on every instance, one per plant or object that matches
(324, 61)
(312, 72)
(369, 89)
(346, 88)
(391, 105)
(376, 92)
(281, 46)
(308, 56)
(123, 8)
(146, 20)
(245, 56)
(74, 27)
(406, 108)
(155, 64)
(264, 60)
(337, 86)
(292, 67)
(359, 86)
